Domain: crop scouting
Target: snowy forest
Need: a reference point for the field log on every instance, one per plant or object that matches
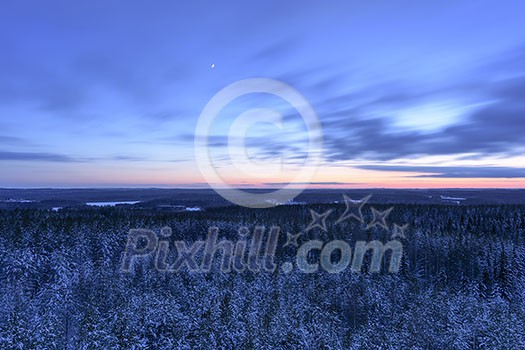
(461, 284)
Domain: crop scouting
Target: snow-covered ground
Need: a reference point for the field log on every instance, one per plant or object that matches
(110, 204)
(193, 209)
(288, 202)
(445, 198)
(18, 201)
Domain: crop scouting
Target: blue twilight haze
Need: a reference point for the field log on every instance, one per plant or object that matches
(107, 93)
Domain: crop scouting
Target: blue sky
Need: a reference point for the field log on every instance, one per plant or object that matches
(409, 94)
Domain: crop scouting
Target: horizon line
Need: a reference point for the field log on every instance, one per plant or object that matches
(260, 188)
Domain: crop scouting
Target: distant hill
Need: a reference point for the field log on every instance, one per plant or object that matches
(207, 198)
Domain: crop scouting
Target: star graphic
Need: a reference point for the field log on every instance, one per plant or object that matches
(353, 208)
(318, 220)
(379, 218)
(399, 231)
(292, 239)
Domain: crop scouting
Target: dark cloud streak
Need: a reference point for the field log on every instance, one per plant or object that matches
(452, 172)
(34, 156)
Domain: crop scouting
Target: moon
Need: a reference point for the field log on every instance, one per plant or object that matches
(212, 65)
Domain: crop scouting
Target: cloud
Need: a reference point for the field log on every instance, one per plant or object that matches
(128, 158)
(451, 172)
(61, 158)
(99, 70)
(11, 140)
(495, 127)
(31, 156)
(308, 183)
(31, 83)
(49, 95)
(274, 50)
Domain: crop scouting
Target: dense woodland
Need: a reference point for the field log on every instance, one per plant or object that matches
(461, 284)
